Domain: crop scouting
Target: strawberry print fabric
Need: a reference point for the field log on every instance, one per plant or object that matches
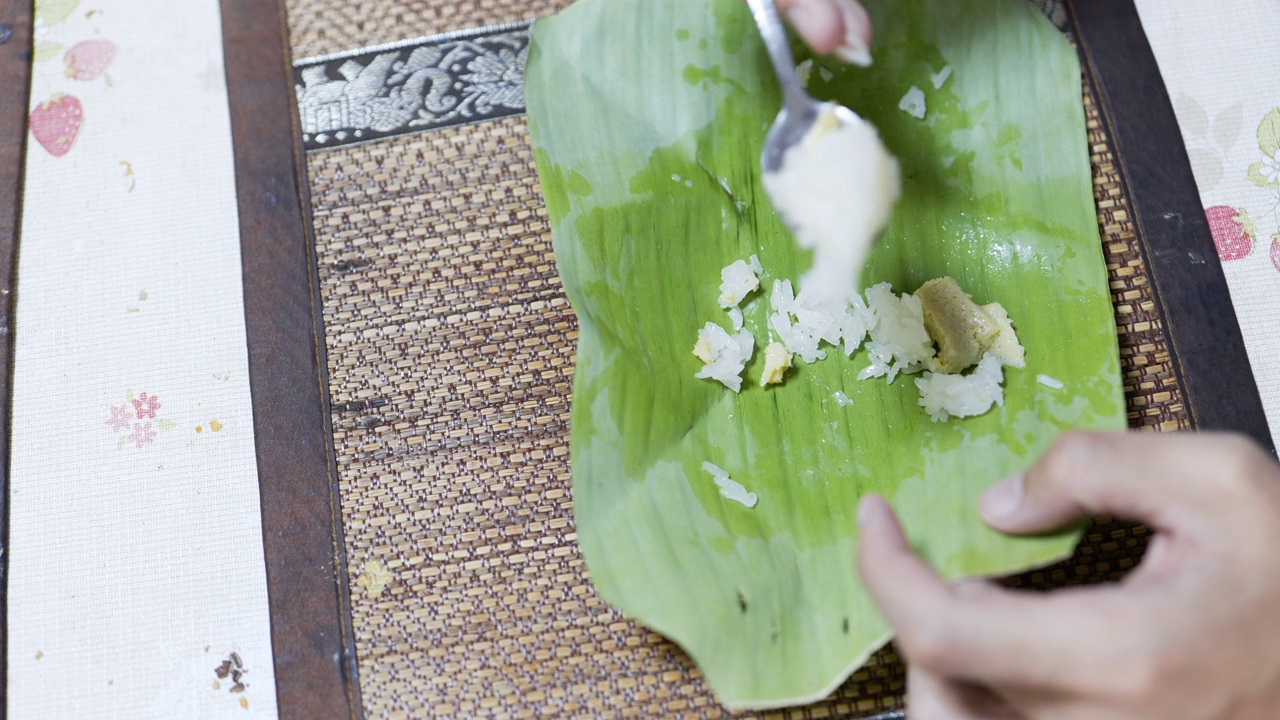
(135, 558)
(1221, 64)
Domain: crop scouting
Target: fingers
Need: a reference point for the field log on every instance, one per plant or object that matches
(841, 27)
(933, 697)
(978, 631)
(855, 46)
(1159, 479)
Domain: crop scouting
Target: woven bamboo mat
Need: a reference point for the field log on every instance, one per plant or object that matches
(320, 27)
(451, 347)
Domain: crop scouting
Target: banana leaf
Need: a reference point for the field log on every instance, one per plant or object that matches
(647, 118)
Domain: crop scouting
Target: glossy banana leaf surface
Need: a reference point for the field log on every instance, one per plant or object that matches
(647, 119)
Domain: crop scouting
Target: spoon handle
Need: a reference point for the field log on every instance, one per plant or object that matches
(767, 20)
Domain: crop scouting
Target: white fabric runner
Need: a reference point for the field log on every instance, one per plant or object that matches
(136, 565)
(1221, 63)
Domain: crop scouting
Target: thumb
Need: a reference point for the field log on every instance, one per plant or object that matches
(1157, 479)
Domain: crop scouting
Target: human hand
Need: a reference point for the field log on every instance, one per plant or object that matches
(1193, 633)
(832, 26)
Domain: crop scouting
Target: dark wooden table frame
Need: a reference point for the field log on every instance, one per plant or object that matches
(1199, 320)
(312, 638)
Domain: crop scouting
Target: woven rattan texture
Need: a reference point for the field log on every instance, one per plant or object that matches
(320, 27)
(451, 349)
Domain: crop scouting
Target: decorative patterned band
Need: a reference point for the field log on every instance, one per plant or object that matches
(412, 86)
(427, 83)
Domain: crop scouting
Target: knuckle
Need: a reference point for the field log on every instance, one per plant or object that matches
(1140, 667)
(1144, 676)
(1242, 467)
(1067, 455)
(928, 644)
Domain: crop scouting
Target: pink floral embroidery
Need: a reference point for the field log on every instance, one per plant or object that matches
(124, 423)
(146, 405)
(142, 434)
(119, 419)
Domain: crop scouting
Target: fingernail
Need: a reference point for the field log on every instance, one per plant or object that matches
(869, 511)
(853, 49)
(804, 20)
(1003, 499)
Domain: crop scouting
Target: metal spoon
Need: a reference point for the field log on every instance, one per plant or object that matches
(799, 110)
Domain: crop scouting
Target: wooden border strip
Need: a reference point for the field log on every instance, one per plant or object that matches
(1191, 291)
(312, 637)
(15, 77)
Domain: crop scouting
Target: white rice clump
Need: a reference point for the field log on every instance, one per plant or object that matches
(843, 400)
(803, 323)
(940, 78)
(730, 489)
(804, 71)
(899, 341)
(735, 317)
(946, 396)
(739, 280)
(913, 103)
(1050, 382)
(725, 356)
(836, 189)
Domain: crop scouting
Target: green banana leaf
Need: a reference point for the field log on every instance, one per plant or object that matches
(647, 118)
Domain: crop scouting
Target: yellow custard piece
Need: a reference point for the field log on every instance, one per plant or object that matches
(964, 330)
(777, 361)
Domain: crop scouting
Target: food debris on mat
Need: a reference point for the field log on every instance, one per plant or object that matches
(836, 189)
(1050, 382)
(374, 578)
(842, 400)
(728, 488)
(233, 667)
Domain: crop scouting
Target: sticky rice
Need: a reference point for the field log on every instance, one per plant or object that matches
(899, 341)
(724, 356)
(804, 323)
(730, 489)
(946, 396)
